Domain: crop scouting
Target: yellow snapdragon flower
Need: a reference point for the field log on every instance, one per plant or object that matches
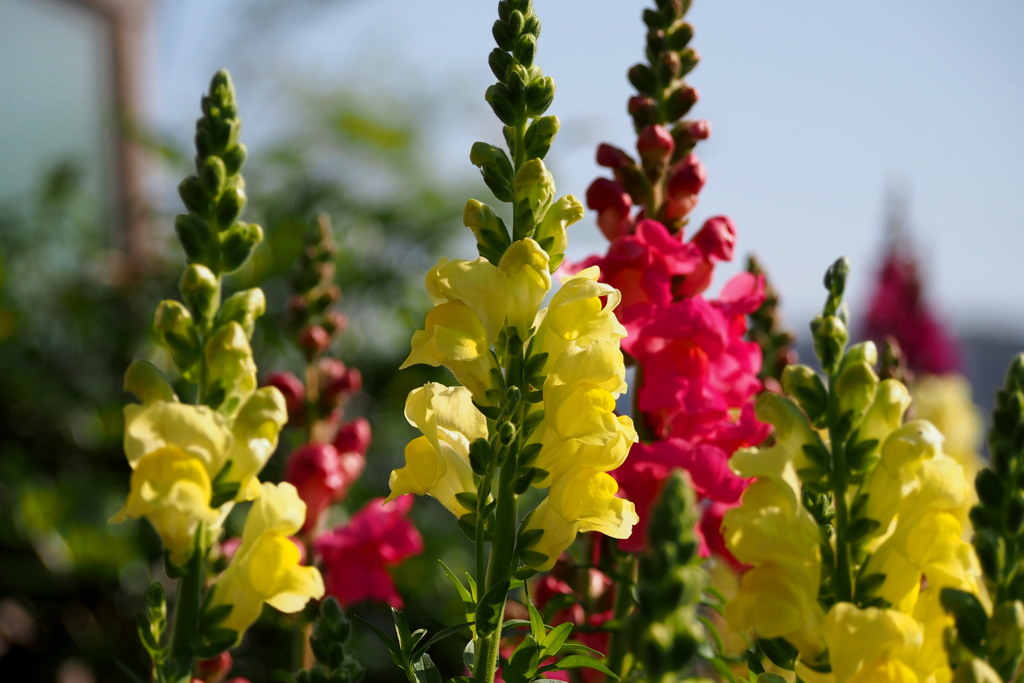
(265, 568)
(583, 499)
(437, 463)
(165, 441)
(175, 451)
(473, 300)
(172, 489)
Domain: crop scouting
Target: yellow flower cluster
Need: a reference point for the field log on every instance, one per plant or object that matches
(191, 463)
(911, 497)
(580, 437)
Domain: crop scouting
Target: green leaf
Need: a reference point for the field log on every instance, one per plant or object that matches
(425, 671)
(487, 609)
(969, 617)
(537, 627)
(440, 635)
(391, 645)
(556, 638)
(583, 662)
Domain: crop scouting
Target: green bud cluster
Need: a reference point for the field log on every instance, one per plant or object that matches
(666, 634)
(664, 96)
(330, 633)
(519, 98)
(998, 521)
(207, 338)
(210, 232)
(767, 330)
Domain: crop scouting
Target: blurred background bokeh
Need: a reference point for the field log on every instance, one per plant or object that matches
(834, 128)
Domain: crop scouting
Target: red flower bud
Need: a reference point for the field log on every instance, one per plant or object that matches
(214, 669)
(655, 143)
(353, 436)
(611, 156)
(294, 394)
(699, 130)
(613, 207)
(335, 322)
(644, 110)
(716, 239)
(314, 339)
(687, 178)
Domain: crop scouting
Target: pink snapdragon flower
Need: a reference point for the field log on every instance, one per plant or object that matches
(356, 556)
(323, 475)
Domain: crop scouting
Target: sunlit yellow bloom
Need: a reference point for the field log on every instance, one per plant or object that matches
(172, 489)
(777, 601)
(581, 310)
(583, 499)
(559, 455)
(255, 431)
(560, 215)
(474, 300)
(265, 568)
(886, 411)
(525, 265)
(199, 431)
(871, 644)
(437, 463)
(945, 401)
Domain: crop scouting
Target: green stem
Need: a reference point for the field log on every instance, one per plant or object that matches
(843, 575)
(625, 579)
(186, 612)
(500, 568)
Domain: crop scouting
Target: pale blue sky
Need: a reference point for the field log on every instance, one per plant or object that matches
(816, 107)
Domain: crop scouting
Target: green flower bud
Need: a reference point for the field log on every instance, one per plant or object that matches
(495, 167)
(525, 49)
(990, 487)
(234, 157)
(193, 193)
(534, 184)
(500, 99)
(491, 234)
(1006, 636)
(239, 241)
(551, 235)
(642, 78)
(855, 389)
(499, 61)
(213, 175)
(864, 352)
(804, 384)
(200, 289)
(244, 308)
(539, 96)
(539, 136)
(230, 369)
(679, 36)
(144, 381)
(195, 237)
(177, 332)
(230, 205)
(830, 337)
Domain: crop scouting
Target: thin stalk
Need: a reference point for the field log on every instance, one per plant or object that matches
(625, 579)
(843, 576)
(186, 611)
(499, 568)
